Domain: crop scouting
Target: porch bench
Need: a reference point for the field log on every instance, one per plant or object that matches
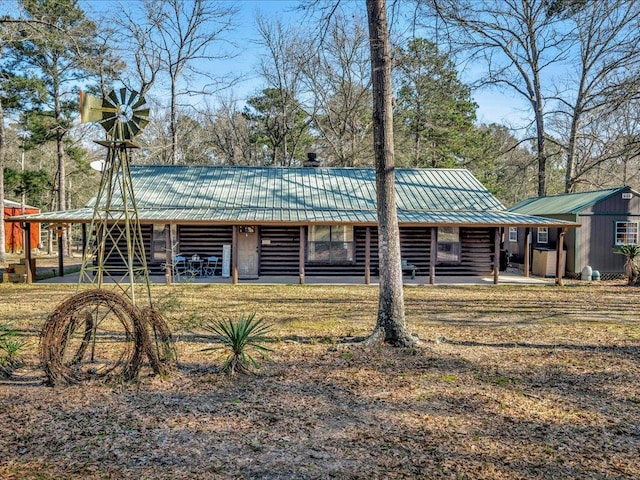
(409, 268)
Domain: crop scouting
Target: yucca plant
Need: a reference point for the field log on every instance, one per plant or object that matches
(9, 350)
(244, 337)
(631, 251)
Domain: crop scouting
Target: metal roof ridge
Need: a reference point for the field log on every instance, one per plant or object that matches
(281, 167)
(605, 192)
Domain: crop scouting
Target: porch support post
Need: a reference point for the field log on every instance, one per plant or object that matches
(84, 239)
(168, 255)
(234, 255)
(60, 251)
(527, 250)
(367, 256)
(433, 255)
(27, 253)
(559, 251)
(301, 255)
(496, 255)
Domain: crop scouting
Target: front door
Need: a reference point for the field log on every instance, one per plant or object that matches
(248, 252)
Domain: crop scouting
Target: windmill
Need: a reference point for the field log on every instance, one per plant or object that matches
(115, 233)
(101, 333)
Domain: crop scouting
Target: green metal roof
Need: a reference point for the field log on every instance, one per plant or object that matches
(270, 216)
(199, 194)
(564, 204)
(337, 189)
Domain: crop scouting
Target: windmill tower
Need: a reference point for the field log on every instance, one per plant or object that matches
(115, 235)
(99, 333)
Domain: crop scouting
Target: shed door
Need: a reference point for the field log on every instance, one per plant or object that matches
(248, 252)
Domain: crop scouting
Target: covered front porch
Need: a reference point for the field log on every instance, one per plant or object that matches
(512, 277)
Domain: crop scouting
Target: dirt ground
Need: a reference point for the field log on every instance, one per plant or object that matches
(46, 265)
(509, 383)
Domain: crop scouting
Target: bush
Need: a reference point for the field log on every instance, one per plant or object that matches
(243, 336)
(9, 350)
(630, 251)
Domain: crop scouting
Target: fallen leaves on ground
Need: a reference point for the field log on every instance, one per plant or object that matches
(508, 383)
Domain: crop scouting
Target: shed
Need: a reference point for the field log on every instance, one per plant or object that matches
(607, 218)
(13, 231)
(315, 221)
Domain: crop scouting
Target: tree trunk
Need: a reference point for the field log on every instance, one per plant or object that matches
(391, 317)
(173, 122)
(571, 166)
(3, 155)
(62, 173)
(539, 119)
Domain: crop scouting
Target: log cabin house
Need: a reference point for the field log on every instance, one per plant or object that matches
(275, 221)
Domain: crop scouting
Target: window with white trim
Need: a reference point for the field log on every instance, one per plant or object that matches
(448, 245)
(331, 244)
(543, 235)
(513, 234)
(626, 233)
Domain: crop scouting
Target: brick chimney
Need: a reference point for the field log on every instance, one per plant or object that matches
(312, 160)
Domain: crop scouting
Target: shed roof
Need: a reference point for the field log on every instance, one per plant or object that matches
(564, 204)
(11, 204)
(200, 194)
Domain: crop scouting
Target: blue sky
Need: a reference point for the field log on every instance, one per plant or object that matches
(493, 106)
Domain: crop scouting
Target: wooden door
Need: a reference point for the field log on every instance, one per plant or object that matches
(248, 253)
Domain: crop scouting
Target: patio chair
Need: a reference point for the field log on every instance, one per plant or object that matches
(179, 267)
(211, 263)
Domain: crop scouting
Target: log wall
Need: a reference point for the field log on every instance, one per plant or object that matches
(203, 240)
(114, 260)
(279, 250)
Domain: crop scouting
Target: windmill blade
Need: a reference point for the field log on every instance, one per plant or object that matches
(127, 130)
(142, 122)
(133, 95)
(142, 113)
(109, 123)
(141, 102)
(112, 99)
(123, 96)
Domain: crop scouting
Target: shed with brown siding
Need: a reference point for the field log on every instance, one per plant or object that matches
(316, 221)
(607, 218)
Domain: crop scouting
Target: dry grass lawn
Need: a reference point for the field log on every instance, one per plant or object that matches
(511, 382)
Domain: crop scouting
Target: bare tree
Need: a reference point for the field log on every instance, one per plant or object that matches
(133, 39)
(175, 39)
(504, 164)
(608, 54)
(279, 105)
(391, 322)
(155, 140)
(230, 135)
(516, 40)
(607, 150)
(338, 79)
